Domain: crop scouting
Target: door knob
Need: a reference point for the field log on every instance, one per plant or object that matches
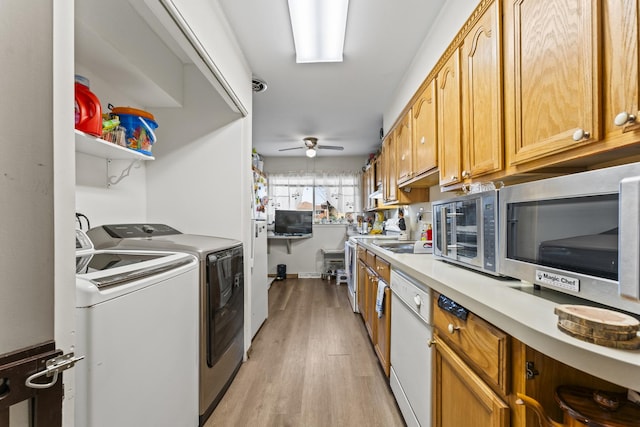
(581, 134)
(623, 118)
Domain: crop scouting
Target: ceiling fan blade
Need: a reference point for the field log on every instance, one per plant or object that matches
(294, 148)
(330, 147)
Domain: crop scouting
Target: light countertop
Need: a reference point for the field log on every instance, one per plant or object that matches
(519, 310)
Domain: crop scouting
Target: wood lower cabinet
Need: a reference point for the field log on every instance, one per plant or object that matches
(482, 111)
(552, 77)
(537, 376)
(371, 269)
(370, 303)
(470, 371)
(461, 397)
(449, 120)
(483, 346)
(362, 287)
(383, 333)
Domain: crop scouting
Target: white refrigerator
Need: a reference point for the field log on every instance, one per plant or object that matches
(259, 279)
(259, 270)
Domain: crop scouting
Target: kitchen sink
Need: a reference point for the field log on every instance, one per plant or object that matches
(397, 246)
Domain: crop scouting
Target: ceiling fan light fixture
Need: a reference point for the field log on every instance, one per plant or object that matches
(311, 153)
(319, 28)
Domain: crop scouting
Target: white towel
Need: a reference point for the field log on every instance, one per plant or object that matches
(380, 298)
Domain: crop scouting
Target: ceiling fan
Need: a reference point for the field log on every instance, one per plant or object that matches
(311, 145)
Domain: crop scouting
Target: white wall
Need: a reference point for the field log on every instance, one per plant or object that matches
(306, 254)
(124, 202)
(64, 195)
(452, 16)
(207, 19)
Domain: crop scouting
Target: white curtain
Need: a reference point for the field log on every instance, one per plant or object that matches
(312, 190)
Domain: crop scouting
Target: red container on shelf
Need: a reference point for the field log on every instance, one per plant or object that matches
(88, 109)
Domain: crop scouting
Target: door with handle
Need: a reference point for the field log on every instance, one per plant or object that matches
(31, 386)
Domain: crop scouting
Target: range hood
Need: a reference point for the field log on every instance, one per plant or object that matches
(376, 194)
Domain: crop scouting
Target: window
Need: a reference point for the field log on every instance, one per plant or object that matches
(334, 197)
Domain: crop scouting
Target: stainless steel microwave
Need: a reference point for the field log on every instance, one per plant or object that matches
(578, 234)
(465, 231)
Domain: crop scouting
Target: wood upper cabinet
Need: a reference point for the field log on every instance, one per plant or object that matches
(460, 397)
(620, 71)
(404, 162)
(482, 111)
(424, 118)
(552, 77)
(369, 184)
(449, 120)
(389, 177)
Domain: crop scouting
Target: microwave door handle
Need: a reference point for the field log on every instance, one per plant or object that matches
(629, 238)
(443, 230)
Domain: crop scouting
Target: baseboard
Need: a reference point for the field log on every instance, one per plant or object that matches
(272, 277)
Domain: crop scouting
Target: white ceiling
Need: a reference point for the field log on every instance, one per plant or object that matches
(339, 103)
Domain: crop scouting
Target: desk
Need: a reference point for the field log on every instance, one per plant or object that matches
(287, 238)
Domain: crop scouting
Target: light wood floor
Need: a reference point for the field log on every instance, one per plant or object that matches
(310, 365)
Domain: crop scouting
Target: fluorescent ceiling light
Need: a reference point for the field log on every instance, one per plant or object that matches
(311, 153)
(318, 29)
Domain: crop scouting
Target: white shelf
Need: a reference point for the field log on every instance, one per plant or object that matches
(97, 147)
(287, 238)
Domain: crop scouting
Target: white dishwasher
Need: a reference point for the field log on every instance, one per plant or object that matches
(137, 325)
(411, 332)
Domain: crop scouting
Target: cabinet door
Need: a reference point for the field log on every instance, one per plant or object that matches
(403, 149)
(482, 95)
(362, 289)
(620, 57)
(383, 341)
(372, 287)
(449, 120)
(460, 397)
(389, 179)
(371, 184)
(552, 100)
(425, 131)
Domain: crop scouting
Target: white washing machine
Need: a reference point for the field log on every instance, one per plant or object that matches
(137, 326)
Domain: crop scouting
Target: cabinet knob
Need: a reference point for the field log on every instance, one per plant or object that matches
(417, 300)
(431, 343)
(581, 134)
(422, 140)
(453, 178)
(402, 158)
(452, 329)
(624, 118)
(466, 174)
